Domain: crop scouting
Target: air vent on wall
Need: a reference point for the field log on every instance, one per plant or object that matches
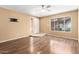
(13, 20)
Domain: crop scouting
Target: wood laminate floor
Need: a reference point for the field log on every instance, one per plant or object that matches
(43, 45)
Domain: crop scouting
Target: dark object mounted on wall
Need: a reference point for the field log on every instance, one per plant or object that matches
(13, 20)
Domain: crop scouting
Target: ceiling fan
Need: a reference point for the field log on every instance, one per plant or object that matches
(46, 7)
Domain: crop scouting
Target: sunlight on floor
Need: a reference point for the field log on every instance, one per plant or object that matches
(31, 45)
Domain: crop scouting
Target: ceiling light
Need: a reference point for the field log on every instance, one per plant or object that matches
(43, 10)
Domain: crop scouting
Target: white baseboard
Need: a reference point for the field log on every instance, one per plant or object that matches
(64, 37)
(12, 39)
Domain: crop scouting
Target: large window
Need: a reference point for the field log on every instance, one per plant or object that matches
(61, 24)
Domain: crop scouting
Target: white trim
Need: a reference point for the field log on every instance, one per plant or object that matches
(11, 39)
(64, 37)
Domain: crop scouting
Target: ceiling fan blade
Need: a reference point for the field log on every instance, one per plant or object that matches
(48, 6)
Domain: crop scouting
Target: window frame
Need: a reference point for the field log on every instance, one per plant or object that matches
(53, 19)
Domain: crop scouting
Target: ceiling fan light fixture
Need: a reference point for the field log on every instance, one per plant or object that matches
(43, 10)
